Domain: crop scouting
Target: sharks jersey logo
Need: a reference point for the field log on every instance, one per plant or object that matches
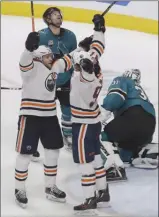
(50, 82)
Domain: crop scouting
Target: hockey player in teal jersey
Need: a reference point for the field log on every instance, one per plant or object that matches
(61, 41)
(134, 120)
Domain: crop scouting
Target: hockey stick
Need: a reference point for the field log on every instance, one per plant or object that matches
(11, 88)
(32, 16)
(108, 8)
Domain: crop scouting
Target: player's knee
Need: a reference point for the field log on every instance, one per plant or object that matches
(98, 162)
(51, 154)
(23, 160)
(86, 168)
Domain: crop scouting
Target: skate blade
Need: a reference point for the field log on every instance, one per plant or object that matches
(55, 199)
(90, 212)
(103, 205)
(22, 205)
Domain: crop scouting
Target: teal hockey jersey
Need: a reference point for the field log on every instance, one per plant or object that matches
(60, 44)
(124, 93)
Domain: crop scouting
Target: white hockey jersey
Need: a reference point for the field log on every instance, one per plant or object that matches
(85, 88)
(39, 84)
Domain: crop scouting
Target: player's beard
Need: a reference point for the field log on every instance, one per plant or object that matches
(57, 24)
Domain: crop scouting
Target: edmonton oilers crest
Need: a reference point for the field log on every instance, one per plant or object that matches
(51, 81)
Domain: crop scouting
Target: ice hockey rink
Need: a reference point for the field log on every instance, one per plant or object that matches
(124, 49)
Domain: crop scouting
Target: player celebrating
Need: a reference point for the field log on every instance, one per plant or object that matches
(86, 126)
(134, 120)
(38, 119)
(61, 41)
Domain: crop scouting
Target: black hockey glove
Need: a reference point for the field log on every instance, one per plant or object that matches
(85, 43)
(32, 42)
(99, 23)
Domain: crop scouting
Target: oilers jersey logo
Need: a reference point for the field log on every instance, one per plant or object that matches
(50, 82)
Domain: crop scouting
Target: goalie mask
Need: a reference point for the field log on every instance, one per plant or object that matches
(53, 16)
(133, 74)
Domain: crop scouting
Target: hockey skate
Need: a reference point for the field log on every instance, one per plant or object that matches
(35, 157)
(87, 208)
(103, 198)
(55, 194)
(67, 143)
(115, 174)
(21, 198)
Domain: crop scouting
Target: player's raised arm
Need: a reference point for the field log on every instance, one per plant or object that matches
(98, 42)
(31, 44)
(62, 65)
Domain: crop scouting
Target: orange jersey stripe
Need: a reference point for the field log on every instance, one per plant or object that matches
(81, 140)
(38, 104)
(76, 112)
(98, 47)
(21, 175)
(69, 64)
(22, 126)
(89, 180)
(23, 68)
(50, 171)
(100, 172)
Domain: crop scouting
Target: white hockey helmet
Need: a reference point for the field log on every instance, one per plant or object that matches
(42, 51)
(79, 55)
(83, 60)
(133, 74)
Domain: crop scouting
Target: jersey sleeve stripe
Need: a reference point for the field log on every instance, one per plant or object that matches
(97, 47)
(26, 68)
(68, 62)
(65, 64)
(118, 91)
(100, 43)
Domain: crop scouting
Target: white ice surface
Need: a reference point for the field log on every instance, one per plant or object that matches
(124, 49)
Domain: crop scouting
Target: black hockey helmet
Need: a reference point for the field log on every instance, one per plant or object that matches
(48, 12)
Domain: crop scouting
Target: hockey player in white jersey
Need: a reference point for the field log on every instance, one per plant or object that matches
(86, 127)
(38, 119)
